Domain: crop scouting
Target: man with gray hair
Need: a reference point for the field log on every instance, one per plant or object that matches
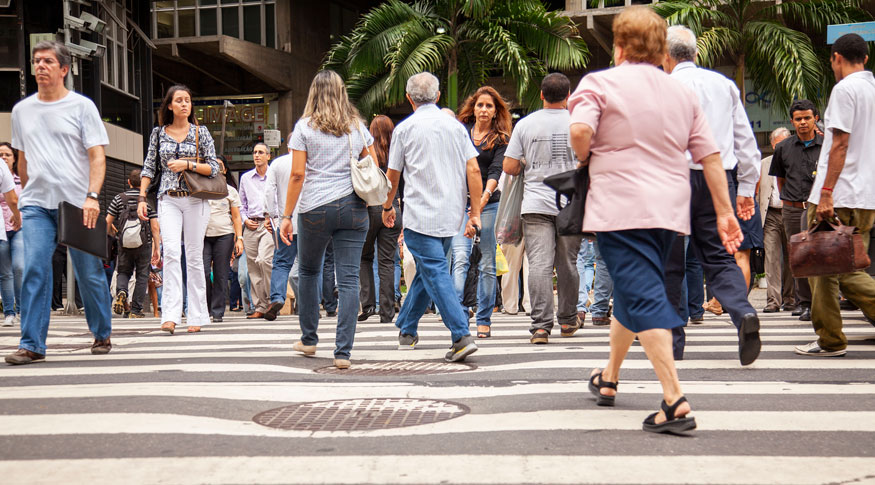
(438, 161)
(60, 138)
(724, 110)
(780, 294)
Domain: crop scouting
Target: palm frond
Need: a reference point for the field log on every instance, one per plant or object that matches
(697, 16)
(715, 43)
(783, 61)
(815, 15)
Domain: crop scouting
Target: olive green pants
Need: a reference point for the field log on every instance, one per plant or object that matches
(858, 286)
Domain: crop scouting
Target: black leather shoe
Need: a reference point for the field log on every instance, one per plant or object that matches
(848, 305)
(798, 311)
(385, 320)
(749, 343)
(367, 313)
(771, 309)
(871, 320)
(806, 315)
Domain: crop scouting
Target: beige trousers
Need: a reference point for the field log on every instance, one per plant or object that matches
(510, 291)
(259, 246)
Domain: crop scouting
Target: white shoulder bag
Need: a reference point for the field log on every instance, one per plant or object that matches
(368, 181)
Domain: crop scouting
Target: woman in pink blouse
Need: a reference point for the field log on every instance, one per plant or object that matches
(636, 125)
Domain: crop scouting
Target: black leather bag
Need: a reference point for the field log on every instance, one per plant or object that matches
(574, 185)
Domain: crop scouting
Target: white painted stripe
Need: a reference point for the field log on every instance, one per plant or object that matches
(560, 420)
(40, 370)
(323, 391)
(437, 469)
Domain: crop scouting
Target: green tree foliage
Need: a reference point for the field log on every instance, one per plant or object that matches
(763, 42)
(463, 42)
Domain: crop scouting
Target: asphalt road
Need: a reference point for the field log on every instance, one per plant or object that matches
(205, 408)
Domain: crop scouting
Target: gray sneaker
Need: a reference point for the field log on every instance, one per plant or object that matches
(815, 350)
(407, 342)
(461, 348)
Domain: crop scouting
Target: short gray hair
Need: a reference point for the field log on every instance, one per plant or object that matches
(423, 88)
(781, 132)
(681, 44)
(62, 54)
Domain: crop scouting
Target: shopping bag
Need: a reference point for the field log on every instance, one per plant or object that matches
(508, 223)
(472, 278)
(500, 262)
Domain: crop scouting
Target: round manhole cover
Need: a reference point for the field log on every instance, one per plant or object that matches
(397, 368)
(360, 414)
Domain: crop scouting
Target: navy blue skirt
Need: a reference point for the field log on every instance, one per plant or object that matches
(636, 262)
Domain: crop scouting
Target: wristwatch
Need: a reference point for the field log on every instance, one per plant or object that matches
(387, 210)
(92, 195)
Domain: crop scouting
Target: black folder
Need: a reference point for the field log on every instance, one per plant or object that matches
(72, 233)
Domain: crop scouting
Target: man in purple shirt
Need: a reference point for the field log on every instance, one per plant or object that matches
(258, 241)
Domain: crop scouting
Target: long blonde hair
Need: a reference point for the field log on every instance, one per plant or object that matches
(328, 105)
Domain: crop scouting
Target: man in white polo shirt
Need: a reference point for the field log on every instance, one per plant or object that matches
(844, 188)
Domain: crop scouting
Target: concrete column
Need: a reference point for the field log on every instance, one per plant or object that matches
(287, 115)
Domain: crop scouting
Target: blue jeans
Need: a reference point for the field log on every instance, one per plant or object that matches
(462, 250)
(431, 283)
(327, 282)
(11, 271)
(586, 272)
(603, 286)
(243, 279)
(345, 221)
(283, 259)
(695, 286)
(39, 229)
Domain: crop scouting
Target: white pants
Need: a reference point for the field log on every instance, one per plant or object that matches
(186, 216)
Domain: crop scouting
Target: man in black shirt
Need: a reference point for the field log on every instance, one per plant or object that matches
(136, 244)
(795, 165)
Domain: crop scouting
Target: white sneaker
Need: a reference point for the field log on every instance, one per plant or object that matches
(814, 349)
(9, 321)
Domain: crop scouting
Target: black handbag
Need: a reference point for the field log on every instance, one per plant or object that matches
(574, 185)
(202, 186)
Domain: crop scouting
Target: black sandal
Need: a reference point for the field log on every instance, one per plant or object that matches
(672, 424)
(486, 334)
(595, 389)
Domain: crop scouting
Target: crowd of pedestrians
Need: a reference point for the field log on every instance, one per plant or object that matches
(680, 200)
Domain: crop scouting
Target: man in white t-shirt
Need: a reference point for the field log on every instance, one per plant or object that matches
(61, 140)
(278, 174)
(541, 138)
(844, 188)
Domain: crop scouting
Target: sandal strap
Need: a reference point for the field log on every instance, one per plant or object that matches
(670, 410)
(602, 383)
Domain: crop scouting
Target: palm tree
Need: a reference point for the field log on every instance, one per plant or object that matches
(462, 41)
(758, 40)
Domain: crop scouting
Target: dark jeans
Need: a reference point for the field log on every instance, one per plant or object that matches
(217, 257)
(59, 274)
(794, 223)
(235, 294)
(345, 222)
(387, 244)
(129, 260)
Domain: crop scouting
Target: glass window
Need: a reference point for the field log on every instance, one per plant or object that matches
(208, 21)
(207, 2)
(165, 25)
(110, 63)
(132, 86)
(186, 23)
(185, 3)
(230, 22)
(164, 4)
(252, 24)
(121, 81)
(8, 43)
(230, 2)
(269, 26)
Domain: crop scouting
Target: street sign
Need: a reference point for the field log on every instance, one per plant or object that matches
(272, 138)
(866, 30)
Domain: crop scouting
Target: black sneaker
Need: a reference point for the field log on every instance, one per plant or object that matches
(331, 314)
(407, 342)
(749, 343)
(461, 348)
(217, 319)
(806, 315)
(367, 313)
(272, 311)
(119, 305)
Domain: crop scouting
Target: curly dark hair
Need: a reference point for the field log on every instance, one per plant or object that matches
(14, 155)
(501, 124)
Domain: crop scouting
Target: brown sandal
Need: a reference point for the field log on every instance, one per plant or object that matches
(194, 329)
(169, 327)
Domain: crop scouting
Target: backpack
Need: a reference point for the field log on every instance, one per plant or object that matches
(133, 232)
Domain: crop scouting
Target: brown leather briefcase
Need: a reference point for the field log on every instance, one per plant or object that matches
(827, 249)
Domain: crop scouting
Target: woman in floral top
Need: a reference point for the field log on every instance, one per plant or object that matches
(173, 146)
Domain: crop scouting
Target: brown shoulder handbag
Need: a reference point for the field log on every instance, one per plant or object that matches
(827, 249)
(203, 186)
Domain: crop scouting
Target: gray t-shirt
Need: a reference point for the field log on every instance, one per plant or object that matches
(55, 138)
(541, 138)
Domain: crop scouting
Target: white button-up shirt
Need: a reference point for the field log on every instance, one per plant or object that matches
(724, 109)
(432, 150)
(278, 174)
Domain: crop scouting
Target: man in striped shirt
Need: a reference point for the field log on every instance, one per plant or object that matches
(439, 162)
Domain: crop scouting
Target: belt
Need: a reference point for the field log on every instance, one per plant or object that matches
(177, 193)
(798, 205)
(256, 219)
